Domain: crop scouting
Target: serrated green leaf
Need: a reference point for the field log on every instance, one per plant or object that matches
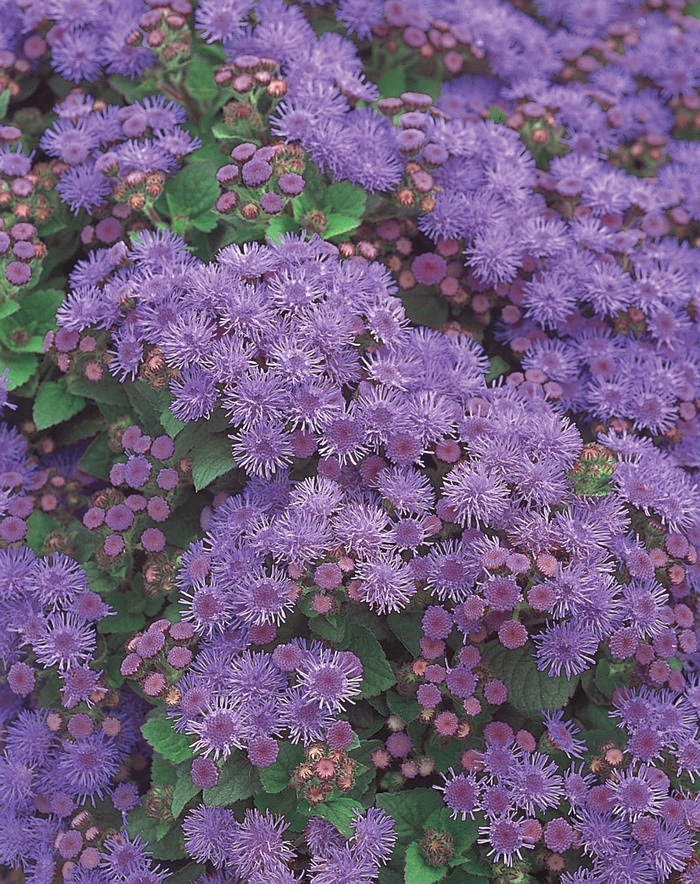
(199, 80)
(279, 226)
(340, 225)
(345, 199)
(54, 404)
(4, 103)
(409, 810)
(471, 866)
(171, 424)
(464, 832)
(275, 778)
(149, 404)
(340, 811)
(407, 628)
(377, 674)
(190, 873)
(193, 190)
(21, 367)
(163, 773)
(160, 735)
(211, 458)
(7, 308)
(184, 792)
(529, 690)
(169, 846)
(405, 707)
(497, 367)
(205, 222)
(238, 779)
(417, 870)
(107, 390)
(98, 459)
(424, 308)
(39, 525)
(393, 82)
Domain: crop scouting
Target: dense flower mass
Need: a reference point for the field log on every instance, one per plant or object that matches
(349, 499)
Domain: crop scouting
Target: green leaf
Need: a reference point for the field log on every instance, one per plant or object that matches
(345, 199)
(393, 82)
(417, 869)
(194, 190)
(377, 674)
(497, 115)
(38, 526)
(409, 810)
(211, 458)
(206, 222)
(474, 867)
(55, 404)
(407, 628)
(132, 90)
(126, 620)
(171, 424)
(160, 735)
(425, 308)
(529, 690)
(98, 459)
(199, 80)
(275, 778)
(279, 226)
(21, 367)
(609, 676)
(238, 779)
(163, 773)
(149, 405)
(7, 308)
(184, 792)
(4, 103)
(340, 811)
(190, 873)
(170, 847)
(340, 225)
(405, 707)
(107, 390)
(36, 316)
(464, 832)
(497, 367)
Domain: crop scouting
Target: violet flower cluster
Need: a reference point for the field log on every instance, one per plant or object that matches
(116, 155)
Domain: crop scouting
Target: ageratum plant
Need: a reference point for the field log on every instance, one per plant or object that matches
(350, 377)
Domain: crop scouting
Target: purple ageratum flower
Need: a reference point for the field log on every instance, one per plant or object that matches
(562, 735)
(304, 718)
(475, 494)
(373, 834)
(57, 579)
(75, 55)
(331, 679)
(535, 783)
(194, 394)
(386, 583)
(461, 793)
(258, 845)
(261, 598)
(66, 641)
(123, 856)
(86, 766)
(83, 187)
(507, 837)
(219, 729)
(566, 647)
(209, 834)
